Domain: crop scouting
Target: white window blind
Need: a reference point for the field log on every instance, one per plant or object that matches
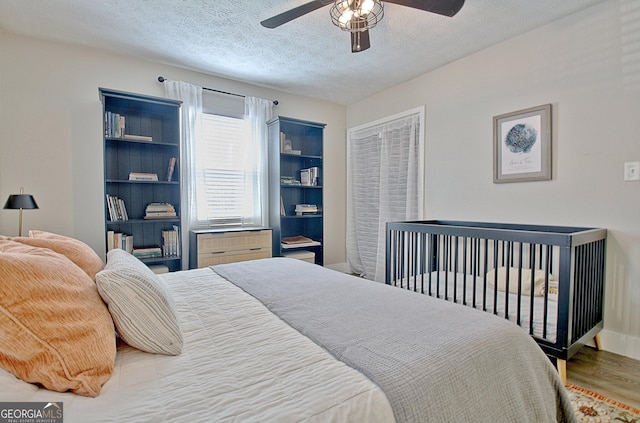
(224, 177)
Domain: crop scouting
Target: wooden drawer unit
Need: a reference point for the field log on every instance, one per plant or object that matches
(211, 247)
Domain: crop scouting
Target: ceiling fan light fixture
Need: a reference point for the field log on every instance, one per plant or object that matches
(356, 15)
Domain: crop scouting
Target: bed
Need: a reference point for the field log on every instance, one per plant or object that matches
(275, 339)
(549, 280)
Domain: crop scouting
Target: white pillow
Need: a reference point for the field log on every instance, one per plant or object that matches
(142, 310)
(538, 283)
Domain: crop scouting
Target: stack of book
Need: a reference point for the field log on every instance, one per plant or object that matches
(140, 176)
(306, 208)
(116, 209)
(297, 241)
(159, 211)
(289, 180)
(171, 242)
(147, 252)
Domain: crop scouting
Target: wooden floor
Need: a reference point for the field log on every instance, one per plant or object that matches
(614, 376)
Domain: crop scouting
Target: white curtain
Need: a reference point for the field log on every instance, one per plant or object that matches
(384, 183)
(257, 111)
(191, 97)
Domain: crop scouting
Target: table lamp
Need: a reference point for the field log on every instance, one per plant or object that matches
(19, 202)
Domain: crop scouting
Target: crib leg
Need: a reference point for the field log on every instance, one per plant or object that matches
(596, 340)
(561, 365)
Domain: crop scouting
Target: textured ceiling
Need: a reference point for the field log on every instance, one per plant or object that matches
(308, 56)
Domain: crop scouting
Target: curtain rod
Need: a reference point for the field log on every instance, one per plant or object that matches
(162, 79)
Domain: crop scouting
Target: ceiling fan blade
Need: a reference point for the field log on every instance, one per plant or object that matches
(441, 7)
(360, 41)
(296, 12)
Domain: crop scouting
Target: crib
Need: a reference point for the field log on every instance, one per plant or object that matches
(547, 279)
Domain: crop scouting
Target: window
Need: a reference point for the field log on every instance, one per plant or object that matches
(226, 179)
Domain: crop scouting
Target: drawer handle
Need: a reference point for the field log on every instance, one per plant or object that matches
(255, 249)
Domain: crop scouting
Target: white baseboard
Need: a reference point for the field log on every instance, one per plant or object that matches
(621, 344)
(340, 267)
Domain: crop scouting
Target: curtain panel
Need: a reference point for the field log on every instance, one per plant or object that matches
(191, 97)
(384, 183)
(257, 111)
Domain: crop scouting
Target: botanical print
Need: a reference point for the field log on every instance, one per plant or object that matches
(521, 149)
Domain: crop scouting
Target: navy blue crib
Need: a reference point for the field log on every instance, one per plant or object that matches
(547, 279)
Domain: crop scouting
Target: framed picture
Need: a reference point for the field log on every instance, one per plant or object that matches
(522, 145)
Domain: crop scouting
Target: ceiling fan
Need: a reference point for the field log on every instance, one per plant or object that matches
(358, 16)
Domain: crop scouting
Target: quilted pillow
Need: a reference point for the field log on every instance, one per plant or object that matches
(538, 282)
(75, 250)
(54, 328)
(142, 310)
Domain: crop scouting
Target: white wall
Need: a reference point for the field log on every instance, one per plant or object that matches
(51, 133)
(588, 67)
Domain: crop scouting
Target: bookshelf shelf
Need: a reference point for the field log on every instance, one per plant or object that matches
(126, 181)
(149, 144)
(305, 138)
(142, 135)
(143, 221)
(302, 156)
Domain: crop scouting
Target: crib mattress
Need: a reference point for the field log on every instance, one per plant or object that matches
(461, 287)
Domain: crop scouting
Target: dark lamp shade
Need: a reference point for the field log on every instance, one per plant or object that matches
(20, 201)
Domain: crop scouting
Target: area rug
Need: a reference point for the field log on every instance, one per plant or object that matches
(591, 407)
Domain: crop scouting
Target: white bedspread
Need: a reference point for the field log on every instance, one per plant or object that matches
(240, 363)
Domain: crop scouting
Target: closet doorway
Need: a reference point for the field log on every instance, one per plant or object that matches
(385, 182)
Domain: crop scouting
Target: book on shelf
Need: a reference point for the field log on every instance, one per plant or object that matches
(282, 210)
(119, 240)
(114, 125)
(137, 137)
(159, 211)
(141, 176)
(301, 209)
(160, 215)
(116, 209)
(171, 242)
(171, 168)
(310, 176)
(311, 243)
(153, 251)
(297, 239)
(289, 180)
